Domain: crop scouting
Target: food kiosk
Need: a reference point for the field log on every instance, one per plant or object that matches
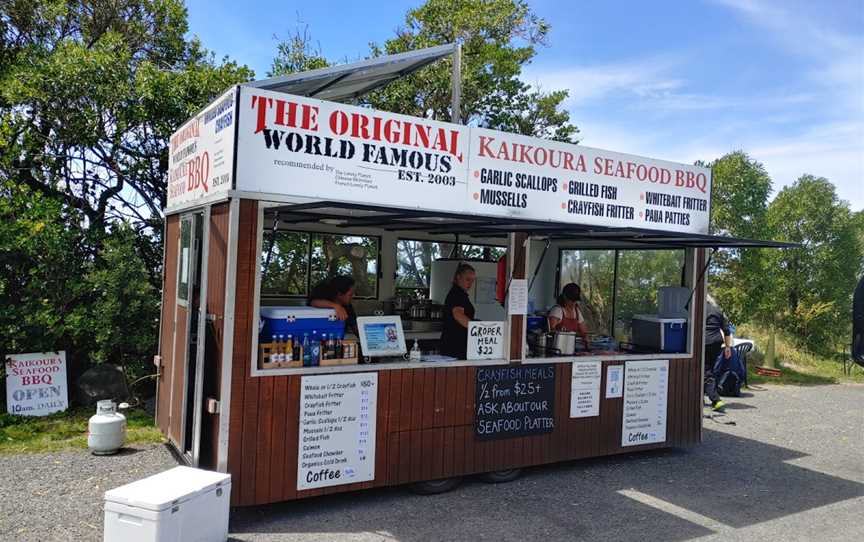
(271, 190)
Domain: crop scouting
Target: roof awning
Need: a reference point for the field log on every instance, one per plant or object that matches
(351, 215)
(350, 81)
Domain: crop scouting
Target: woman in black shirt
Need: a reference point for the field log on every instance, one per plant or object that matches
(458, 311)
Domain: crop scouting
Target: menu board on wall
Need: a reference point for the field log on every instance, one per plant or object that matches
(585, 389)
(646, 385)
(337, 430)
(514, 401)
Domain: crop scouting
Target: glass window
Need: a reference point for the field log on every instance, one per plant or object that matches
(285, 267)
(594, 272)
(351, 255)
(298, 261)
(184, 260)
(414, 262)
(640, 274)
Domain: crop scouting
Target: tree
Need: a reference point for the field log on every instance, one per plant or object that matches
(498, 38)
(90, 91)
(811, 287)
(739, 204)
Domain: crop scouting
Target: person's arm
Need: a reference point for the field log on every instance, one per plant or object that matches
(341, 313)
(726, 331)
(555, 317)
(460, 316)
(554, 323)
(583, 331)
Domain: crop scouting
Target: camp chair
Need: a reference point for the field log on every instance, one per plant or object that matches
(742, 350)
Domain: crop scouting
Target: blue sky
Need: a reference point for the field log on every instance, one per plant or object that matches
(681, 81)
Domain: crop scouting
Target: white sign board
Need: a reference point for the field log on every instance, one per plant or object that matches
(532, 178)
(201, 153)
(337, 430)
(517, 297)
(296, 146)
(646, 385)
(585, 389)
(36, 383)
(325, 150)
(614, 381)
(486, 340)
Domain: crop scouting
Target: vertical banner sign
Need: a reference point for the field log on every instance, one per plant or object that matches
(337, 430)
(485, 340)
(36, 383)
(585, 389)
(514, 401)
(201, 153)
(645, 394)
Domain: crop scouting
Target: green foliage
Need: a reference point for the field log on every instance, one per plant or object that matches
(739, 205)
(811, 291)
(498, 38)
(90, 91)
(66, 430)
(296, 54)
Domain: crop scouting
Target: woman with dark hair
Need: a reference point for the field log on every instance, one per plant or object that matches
(458, 311)
(566, 315)
(336, 293)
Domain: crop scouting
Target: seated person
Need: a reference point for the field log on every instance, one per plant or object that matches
(336, 293)
(566, 315)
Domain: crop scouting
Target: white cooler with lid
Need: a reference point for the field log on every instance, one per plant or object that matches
(182, 504)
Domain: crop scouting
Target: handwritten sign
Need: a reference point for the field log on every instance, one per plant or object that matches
(585, 389)
(36, 383)
(646, 385)
(514, 401)
(337, 430)
(486, 340)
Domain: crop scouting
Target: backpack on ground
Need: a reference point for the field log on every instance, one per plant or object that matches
(729, 374)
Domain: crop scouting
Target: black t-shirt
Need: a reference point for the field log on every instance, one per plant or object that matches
(715, 321)
(454, 337)
(328, 292)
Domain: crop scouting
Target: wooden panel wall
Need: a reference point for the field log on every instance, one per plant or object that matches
(424, 418)
(216, 268)
(169, 302)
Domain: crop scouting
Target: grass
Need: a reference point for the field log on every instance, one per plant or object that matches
(67, 431)
(799, 367)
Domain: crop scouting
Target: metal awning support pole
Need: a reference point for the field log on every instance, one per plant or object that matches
(456, 86)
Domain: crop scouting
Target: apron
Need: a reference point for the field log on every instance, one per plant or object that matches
(569, 324)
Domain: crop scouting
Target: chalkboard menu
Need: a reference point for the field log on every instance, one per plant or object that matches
(514, 401)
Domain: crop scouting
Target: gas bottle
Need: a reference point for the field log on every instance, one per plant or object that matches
(106, 431)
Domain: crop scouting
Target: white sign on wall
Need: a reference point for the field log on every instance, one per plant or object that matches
(585, 389)
(201, 153)
(485, 340)
(36, 383)
(646, 385)
(614, 381)
(337, 430)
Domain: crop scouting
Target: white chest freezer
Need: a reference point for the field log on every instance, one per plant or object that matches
(179, 505)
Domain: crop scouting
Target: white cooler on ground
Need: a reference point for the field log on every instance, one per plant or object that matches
(179, 505)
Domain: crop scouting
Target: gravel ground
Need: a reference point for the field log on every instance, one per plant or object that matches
(784, 463)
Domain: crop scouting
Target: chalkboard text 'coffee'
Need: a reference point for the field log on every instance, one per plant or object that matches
(514, 401)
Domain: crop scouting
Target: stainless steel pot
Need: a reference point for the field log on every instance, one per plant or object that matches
(565, 342)
(541, 342)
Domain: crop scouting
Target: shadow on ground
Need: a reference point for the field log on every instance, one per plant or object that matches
(733, 480)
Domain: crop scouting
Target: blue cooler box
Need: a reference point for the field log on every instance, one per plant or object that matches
(296, 321)
(667, 335)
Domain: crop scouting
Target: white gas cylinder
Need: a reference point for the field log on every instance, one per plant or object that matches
(106, 430)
